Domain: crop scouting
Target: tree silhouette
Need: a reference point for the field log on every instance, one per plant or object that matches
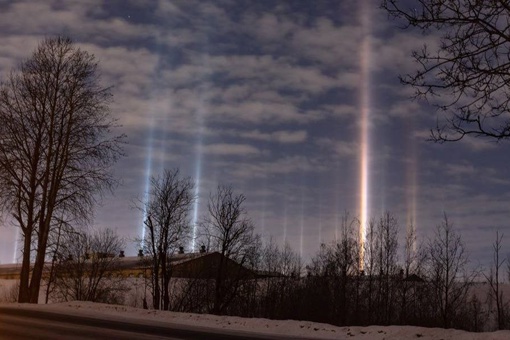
(56, 150)
(167, 227)
(467, 76)
(231, 234)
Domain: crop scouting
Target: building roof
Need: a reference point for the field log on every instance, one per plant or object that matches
(198, 264)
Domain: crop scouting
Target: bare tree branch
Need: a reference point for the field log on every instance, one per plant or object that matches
(56, 151)
(467, 77)
(167, 228)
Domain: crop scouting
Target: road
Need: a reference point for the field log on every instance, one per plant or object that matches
(18, 323)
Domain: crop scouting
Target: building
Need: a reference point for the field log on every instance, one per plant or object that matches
(202, 265)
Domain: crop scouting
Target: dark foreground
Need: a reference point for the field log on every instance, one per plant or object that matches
(16, 323)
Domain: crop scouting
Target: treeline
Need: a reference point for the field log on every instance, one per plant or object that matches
(430, 286)
(346, 283)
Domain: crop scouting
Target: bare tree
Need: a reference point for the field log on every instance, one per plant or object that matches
(410, 277)
(334, 274)
(231, 234)
(411, 252)
(53, 249)
(370, 249)
(56, 150)
(87, 267)
(468, 74)
(280, 266)
(387, 264)
(447, 272)
(167, 227)
(493, 278)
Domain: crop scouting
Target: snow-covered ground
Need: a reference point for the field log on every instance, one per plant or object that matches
(304, 329)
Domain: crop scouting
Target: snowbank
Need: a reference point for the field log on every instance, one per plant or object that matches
(305, 329)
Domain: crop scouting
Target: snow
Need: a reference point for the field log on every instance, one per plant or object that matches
(289, 328)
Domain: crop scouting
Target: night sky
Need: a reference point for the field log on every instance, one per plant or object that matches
(268, 96)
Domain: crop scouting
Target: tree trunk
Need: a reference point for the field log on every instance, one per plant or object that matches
(24, 291)
(156, 296)
(35, 281)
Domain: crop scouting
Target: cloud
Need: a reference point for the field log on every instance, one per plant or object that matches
(290, 136)
(284, 137)
(224, 149)
(405, 109)
(340, 149)
(318, 43)
(421, 134)
(270, 27)
(340, 110)
(462, 170)
(243, 171)
(394, 53)
(273, 72)
(478, 144)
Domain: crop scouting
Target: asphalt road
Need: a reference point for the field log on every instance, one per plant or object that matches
(18, 323)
